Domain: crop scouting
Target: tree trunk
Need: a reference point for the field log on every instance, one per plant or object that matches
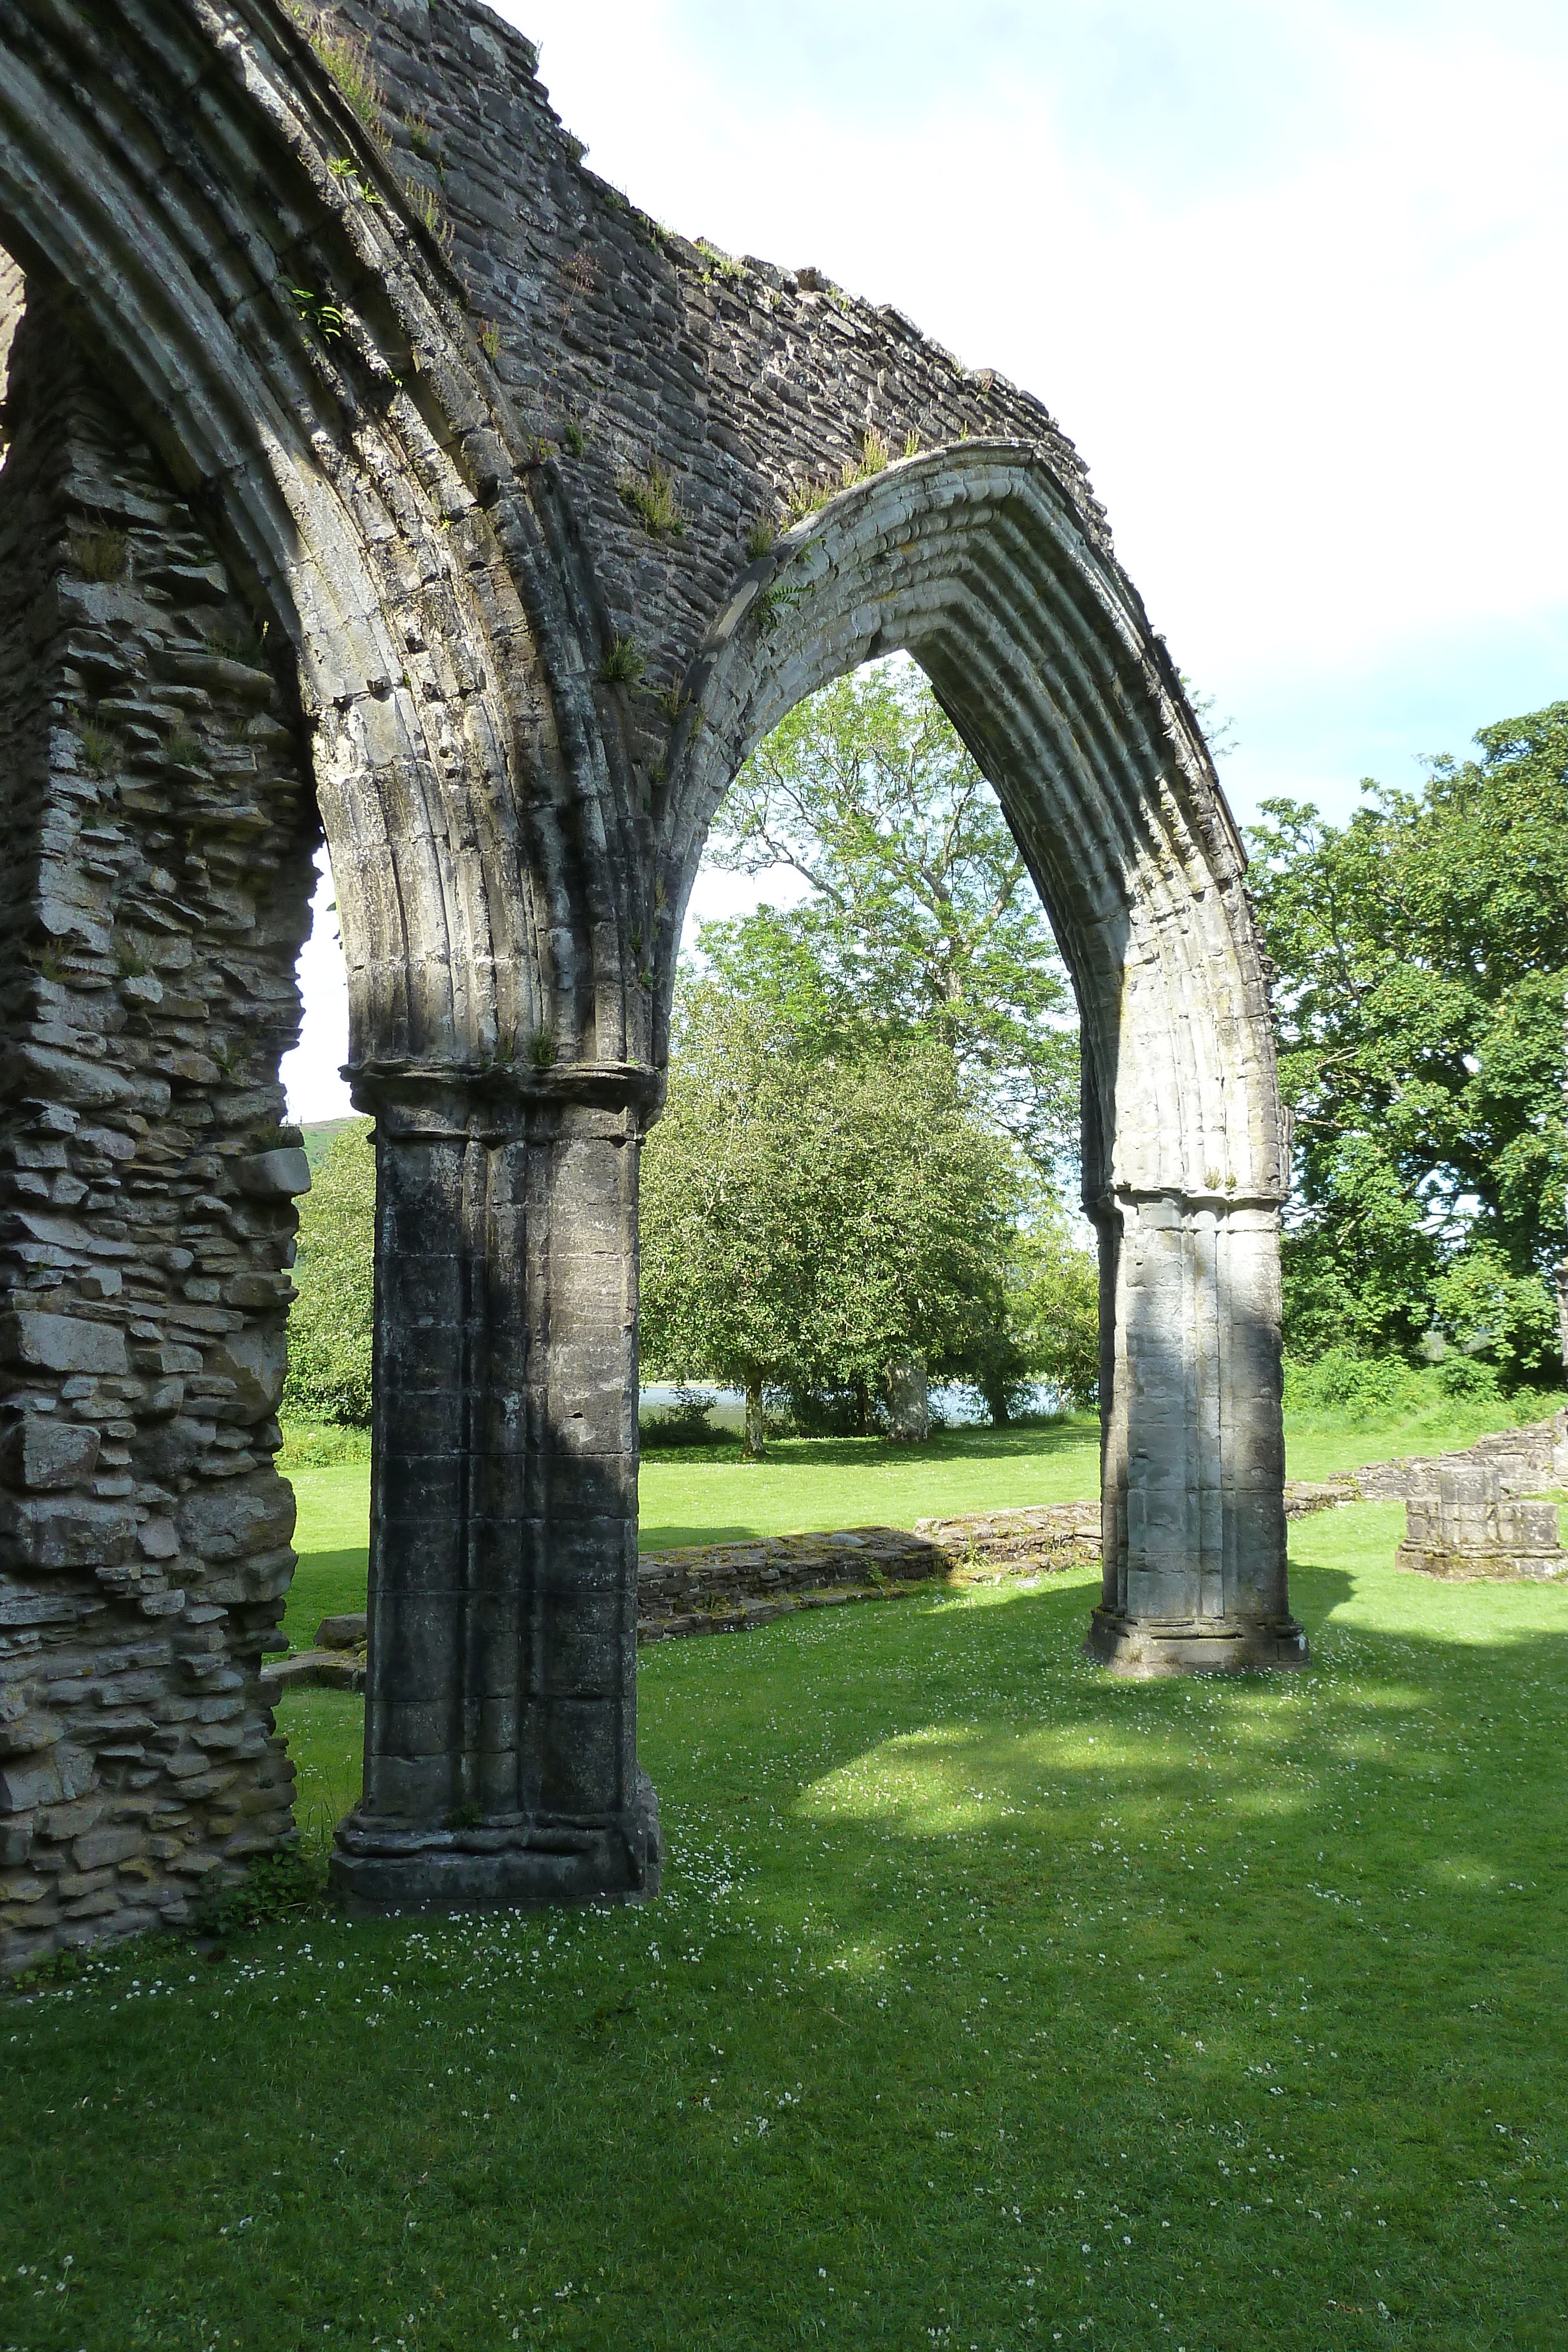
(756, 1428)
(863, 1408)
(908, 1401)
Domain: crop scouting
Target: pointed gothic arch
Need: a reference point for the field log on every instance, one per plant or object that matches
(974, 559)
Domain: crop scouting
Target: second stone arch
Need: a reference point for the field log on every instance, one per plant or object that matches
(973, 560)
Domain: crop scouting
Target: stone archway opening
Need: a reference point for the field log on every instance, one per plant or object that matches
(860, 898)
(970, 560)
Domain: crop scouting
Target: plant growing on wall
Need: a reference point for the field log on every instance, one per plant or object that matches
(653, 499)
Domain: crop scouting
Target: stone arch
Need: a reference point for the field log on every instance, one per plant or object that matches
(175, 177)
(428, 456)
(974, 559)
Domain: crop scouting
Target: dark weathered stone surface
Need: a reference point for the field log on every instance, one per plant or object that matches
(444, 518)
(158, 837)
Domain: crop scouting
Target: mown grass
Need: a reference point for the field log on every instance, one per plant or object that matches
(714, 1494)
(990, 2003)
(711, 1496)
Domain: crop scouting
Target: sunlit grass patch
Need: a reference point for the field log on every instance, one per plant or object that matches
(989, 2002)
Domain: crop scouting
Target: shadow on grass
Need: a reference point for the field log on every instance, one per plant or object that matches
(677, 1538)
(1395, 1791)
(325, 1584)
(1256, 1969)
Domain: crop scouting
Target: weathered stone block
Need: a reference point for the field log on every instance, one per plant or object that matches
(102, 1847)
(45, 1452)
(27, 1735)
(347, 1632)
(61, 1343)
(66, 1531)
(61, 1771)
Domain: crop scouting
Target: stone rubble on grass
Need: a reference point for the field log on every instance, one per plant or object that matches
(1473, 1513)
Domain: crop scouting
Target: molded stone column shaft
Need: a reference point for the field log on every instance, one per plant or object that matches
(500, 1716)
(1193, 1454)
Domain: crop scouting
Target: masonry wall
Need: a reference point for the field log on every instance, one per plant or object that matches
(154, 891)
(626, 346)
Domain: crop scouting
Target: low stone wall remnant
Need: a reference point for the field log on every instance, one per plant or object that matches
(1466, 1517)
(1473, 1512)
(724, 1588)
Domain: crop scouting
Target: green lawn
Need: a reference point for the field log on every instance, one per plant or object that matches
(332, 1540)
(990, 2004)
(708, 1496)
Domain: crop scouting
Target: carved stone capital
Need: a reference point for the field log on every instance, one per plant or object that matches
(505, 1103)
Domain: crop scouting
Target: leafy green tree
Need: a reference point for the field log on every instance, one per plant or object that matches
(1055, 1314)
(331, 1321)
(1422, 952)
(810, 1220)
(921, 921)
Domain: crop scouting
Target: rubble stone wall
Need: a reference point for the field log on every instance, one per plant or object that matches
(158, 831)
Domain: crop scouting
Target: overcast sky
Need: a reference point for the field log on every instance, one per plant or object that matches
(1290, 275)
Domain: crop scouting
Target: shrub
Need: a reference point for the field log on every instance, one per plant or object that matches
(1467, 1376)
(1341, 1381)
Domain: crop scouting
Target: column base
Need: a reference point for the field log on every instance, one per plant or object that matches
(508, 1863)
(1143, 1648)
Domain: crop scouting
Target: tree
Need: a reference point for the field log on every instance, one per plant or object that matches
(812, 1219)
(1056, 1312)
(332, 1322)
(1422, 952)
(922, 919)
